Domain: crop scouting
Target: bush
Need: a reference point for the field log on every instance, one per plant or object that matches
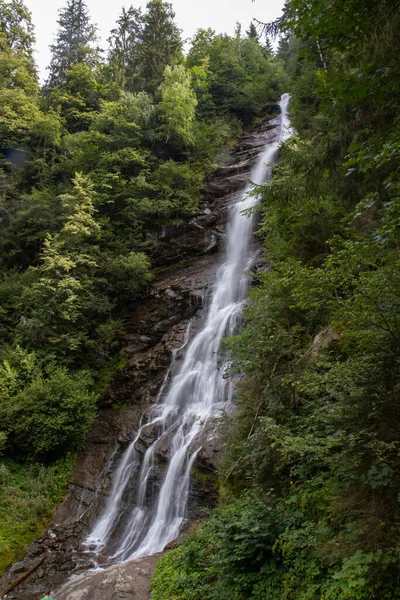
(45, 410)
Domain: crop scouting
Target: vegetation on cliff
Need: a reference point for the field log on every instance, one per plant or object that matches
(310, 476)
(91, 166)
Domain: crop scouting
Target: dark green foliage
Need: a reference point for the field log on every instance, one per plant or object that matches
(222, 558)
(252, 32)
(142, 46)
(90, 170)
(44, 409)
(318, 411)
(236, 74)
(74, 43)
(124, 42)
(160, 43)
(27, 496)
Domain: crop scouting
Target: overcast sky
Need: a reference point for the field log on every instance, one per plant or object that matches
(221, 15)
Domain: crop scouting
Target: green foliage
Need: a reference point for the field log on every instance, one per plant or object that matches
(16, 28)
(74, 43)
(179, 189)
(91, 167)
(221, 558)
(63, 294)
(43, 409)
(124, 50)
(160, 43)
(27, 495)
(318, 409)
(237, 77)
(177, 107)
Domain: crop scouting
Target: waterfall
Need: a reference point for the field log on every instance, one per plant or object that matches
(197, 392)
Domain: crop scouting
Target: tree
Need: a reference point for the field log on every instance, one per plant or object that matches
(63, 297)
(44, 411)
(178, 106)
(268, 49)
(78, 99)
(240, 76)
(28, 138)
(252, 32)
(123, 55)
(16, 28)
(74, 43)
(161, 43)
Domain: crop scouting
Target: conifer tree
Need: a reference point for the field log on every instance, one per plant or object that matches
(268, 49)
(252, 32)
(74, 43)
(161, 43)
(124, 51)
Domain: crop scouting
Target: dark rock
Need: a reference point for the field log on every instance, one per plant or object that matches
(35, 549)
(17, 568)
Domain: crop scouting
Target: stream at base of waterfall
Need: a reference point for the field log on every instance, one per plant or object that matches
(139, 518)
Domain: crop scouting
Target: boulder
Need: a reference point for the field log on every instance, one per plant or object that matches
(129, 581)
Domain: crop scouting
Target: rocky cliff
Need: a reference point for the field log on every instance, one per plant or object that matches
(187, 255)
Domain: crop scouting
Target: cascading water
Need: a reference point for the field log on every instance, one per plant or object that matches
(146, 523)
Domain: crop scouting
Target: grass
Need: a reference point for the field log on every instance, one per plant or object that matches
(28, 493)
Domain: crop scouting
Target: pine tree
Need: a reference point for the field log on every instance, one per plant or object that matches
(268, 48)
(252, 32)
(161, 43)
(74, 43)
(124, 51)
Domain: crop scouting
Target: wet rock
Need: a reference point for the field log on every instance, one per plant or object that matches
(35, 549)
(129, 581)
(148, 435)
(210, 450)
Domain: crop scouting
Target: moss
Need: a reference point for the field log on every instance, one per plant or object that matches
(209, 478)
(108, 372)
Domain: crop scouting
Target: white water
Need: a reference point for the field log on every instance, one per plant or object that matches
(143, 525)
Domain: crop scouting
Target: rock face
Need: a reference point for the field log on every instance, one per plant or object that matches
(156, 328)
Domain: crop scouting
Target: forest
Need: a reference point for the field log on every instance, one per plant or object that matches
(113, 145)
(118, 142)
(309, 483)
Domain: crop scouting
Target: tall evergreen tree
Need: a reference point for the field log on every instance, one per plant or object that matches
(161, 43)
(124, 49)
(252, 32)
(74, 43)
(268, 48)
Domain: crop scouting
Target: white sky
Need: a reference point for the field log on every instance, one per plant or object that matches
(190, 15)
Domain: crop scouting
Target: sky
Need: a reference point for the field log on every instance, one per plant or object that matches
(220, 15)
